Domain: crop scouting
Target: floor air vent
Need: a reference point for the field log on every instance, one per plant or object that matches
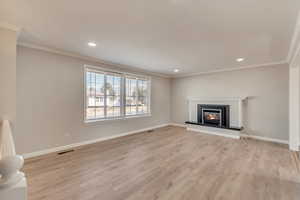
(64, 152)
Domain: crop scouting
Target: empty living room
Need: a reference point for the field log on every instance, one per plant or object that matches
(150, 100)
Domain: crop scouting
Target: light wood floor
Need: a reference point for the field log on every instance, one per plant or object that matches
(170, 164)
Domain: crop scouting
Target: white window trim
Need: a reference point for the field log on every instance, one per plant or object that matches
(122, 103)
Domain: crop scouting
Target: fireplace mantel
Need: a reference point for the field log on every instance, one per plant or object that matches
(217, 98)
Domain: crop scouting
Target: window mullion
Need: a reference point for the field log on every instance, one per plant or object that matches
(113, 96)
(105, 106)
(122, 97)
(136, 96)
(95, 94)
(148, 87)
(118, 82)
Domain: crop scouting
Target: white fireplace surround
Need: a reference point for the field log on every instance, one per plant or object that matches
(236, 104)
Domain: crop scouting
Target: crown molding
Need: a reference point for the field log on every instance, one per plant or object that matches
(134, 69)
(295, 44)
(90, 59)
(271, 64)
(11, 27)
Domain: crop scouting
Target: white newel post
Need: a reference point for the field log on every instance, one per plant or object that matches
(13, 184)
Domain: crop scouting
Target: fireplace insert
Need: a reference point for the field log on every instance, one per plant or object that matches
(214, 115)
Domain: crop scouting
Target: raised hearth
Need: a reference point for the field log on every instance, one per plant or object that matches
(218, 116)
(229, 128)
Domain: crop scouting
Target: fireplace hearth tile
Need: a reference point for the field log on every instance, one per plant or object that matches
(221, 127)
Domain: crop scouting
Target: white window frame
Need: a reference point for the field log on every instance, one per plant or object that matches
(123, 76)
(136, 78)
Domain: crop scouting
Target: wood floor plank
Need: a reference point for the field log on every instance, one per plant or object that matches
(167, 164)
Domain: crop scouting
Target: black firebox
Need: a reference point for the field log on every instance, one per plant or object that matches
(214, 115)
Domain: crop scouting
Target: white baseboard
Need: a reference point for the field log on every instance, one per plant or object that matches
(265, 139)
(237, 137)
(213, 133)
(62, 148)
(242, 135)
(294, 147)
(179, 125)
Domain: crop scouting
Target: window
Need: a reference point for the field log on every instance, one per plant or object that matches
(136, 96)
(111, 95)
(103, 92)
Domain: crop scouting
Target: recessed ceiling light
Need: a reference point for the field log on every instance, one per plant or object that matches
(92, 44)
(176, 70)
(240, 59)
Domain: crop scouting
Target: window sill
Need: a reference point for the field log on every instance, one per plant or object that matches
(117, 118)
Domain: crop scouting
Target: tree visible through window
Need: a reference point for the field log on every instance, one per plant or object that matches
(136, 96)
(115, 95)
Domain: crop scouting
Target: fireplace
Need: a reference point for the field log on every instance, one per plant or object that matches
(213, 115)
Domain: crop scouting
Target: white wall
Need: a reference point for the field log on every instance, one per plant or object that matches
(266, 113)
(8, 75)
(297, 63)
(294, 109)
(50, 103)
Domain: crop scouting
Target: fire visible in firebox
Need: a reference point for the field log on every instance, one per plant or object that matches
(212, 116)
